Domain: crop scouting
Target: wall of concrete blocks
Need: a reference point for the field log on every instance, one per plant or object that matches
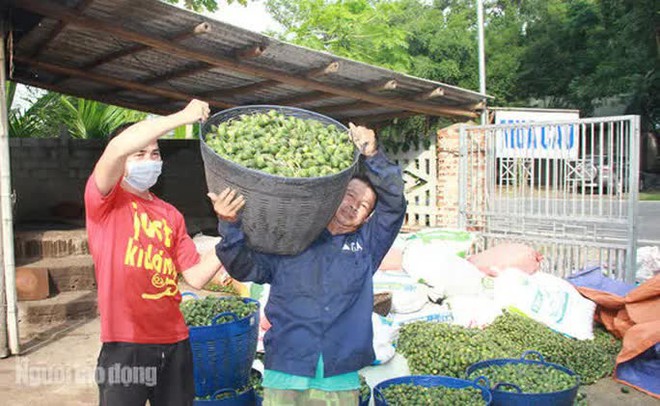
(49, 177)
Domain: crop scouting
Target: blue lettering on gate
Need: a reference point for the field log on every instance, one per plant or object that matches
(531, 137)
(552, 137)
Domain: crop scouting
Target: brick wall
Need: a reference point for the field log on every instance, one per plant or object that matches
(49, 176)
(447, 195)
(448, 149)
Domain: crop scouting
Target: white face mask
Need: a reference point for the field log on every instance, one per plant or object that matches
(143, 174)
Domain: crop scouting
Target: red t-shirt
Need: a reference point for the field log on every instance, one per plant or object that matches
(138, 246)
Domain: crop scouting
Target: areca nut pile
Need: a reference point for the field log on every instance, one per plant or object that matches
(198, 313)
(282, 145)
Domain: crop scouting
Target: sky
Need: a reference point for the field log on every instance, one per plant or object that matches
(253, 17)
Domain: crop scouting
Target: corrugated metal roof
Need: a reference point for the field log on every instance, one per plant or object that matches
(152, 56)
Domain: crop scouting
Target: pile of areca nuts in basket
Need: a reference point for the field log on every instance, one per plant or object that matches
(287, 146)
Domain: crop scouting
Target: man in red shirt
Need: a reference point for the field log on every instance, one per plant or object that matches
(139, 244)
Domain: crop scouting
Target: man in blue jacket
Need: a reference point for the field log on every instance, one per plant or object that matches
(321, 300)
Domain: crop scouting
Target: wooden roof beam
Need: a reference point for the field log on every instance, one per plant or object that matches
(380, 118)
(474, 106)
(59, 27)
(187, 71)
(344, 107)
(437, 92)
(62, 13)
(179, 73)
(250, 52)
(382, 86)
(331, 68)
(304, 98)
(111, 81)
(197, 30)
(264, 84)
(377, 87)
(115, 102)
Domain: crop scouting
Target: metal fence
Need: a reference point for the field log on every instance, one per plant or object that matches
(569, 189)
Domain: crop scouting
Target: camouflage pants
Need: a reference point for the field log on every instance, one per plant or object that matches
(310, 397)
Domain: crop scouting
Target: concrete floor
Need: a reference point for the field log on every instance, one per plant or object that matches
(57, 369)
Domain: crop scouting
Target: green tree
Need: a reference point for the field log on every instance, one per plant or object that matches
(434, 40)
(91, 119)
(629, 59)
(559, 53)
(506, 21)
(580, 51)
(34, 121)
(443, 41)
(363, 30)
(50, 111)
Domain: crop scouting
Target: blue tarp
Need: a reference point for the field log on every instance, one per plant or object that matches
(642, 371)
(593, 278)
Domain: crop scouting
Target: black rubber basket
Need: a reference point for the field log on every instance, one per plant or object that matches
(281, 215)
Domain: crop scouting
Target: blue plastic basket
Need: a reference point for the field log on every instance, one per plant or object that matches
(431, 381)
(518, 398)
(246, 398)
(223, 353)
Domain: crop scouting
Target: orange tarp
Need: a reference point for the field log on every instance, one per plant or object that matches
(634, 318)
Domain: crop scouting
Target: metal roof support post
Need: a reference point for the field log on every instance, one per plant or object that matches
(482, 58)
(633, 200)
(462, 177)
(7, 225)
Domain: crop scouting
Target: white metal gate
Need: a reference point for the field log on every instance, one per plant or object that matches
(420, 174)
(568, 188)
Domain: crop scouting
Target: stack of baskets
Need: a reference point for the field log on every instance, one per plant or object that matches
(281, 215)
(222, 359)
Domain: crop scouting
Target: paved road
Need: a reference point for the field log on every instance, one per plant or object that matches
(649, 222)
